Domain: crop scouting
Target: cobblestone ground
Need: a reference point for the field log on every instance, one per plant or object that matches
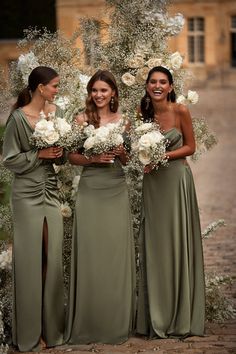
(215, 183)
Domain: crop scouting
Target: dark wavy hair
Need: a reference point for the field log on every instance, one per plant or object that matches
(91, 108)
(39, 75)
(147, 110)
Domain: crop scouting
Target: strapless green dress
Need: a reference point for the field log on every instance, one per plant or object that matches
(102, 286)
(171, 299)
(34, 198)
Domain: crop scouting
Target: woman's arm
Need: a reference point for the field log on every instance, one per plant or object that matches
(76, 158)
(14, 158)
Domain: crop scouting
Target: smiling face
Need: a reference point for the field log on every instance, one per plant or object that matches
(49, 90)
(158, 86)
(101, 93)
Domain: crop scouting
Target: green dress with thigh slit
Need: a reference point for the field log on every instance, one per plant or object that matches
(37, 312)
(102, 286)
(171, 278)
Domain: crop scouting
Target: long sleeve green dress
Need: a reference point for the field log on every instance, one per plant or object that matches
(37, 312)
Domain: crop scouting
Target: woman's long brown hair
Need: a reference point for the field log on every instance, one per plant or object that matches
(91, 108)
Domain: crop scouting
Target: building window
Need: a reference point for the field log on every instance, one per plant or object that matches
(233, 41)
(196, 40)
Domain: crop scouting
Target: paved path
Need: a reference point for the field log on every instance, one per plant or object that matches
(215, 183)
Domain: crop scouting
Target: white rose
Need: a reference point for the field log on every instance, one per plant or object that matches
(142, 74)
(176, 60)
(143, 127)
(62, 102)
(181, 99)
(192, 97)
(63, 126)
(51, 137)
(144, 142)
(128, 79)
(179, 21)
(144, 157)
(89, 129)
(102, 133)
(155, 137)
(118, 140)
(89, 142)
(6, 259)
(151, 63)
(43, 126)
(26, 63)
(66, 210)
(135, 62)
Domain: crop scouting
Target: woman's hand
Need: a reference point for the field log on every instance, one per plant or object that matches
(53, 152)
(103, 158)
(119, 150)
(149, 168)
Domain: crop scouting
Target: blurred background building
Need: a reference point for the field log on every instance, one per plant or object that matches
(207, 42)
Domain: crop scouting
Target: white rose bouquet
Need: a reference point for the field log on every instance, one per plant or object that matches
(103, 139)
(51, 131)
(148, 145)
(6, 259)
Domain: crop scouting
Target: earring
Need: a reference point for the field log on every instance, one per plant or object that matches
(112, 102)
(147, 100)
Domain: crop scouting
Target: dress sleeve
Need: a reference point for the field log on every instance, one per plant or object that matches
(15, 157)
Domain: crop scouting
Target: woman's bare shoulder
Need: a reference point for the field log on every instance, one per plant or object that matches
(81, 118)
(50, 108)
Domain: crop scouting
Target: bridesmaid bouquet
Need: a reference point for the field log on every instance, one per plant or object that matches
(103, 139)
(54, 131)
(148, 145)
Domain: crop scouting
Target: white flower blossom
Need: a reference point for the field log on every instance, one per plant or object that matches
(144, 127)
(6, 259)
(175, 61)
(83, 79)
(144, 156)
(148, 144)
(135, 62)
(26, 63)
(90, 142)
(75, 185)
(192, 97)
(52, 130)
(51, 137)
(104, 138)
(151, 63)
(62, 102)
(62, 126)
(181, 99)
(128, 79)
(43, 126)
(142, 74)
(66, 210)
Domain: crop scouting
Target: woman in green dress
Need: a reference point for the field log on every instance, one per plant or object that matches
(171, 284)
(102, 285)
(38, 306)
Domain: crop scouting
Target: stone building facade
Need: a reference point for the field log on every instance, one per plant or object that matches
(207, 42)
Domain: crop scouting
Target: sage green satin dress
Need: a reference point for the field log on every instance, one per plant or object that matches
(102, 286)
(36, 312)
(171, 278)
